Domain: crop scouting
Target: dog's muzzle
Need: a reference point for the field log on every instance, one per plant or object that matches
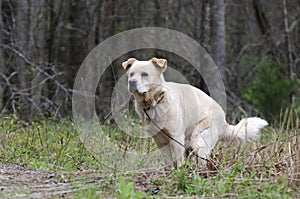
(132, 85)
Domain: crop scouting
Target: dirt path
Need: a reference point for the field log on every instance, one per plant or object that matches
(20, 182)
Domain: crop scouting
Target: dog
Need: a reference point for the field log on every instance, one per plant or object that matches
(181, 117)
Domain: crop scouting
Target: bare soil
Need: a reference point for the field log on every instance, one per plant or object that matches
(20, 182)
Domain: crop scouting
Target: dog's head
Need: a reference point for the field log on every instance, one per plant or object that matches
(144, 75)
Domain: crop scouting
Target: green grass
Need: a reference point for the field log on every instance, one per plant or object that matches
(269, 168)
(43, 145)
(229, 183)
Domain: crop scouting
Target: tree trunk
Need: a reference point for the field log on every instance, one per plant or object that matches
(205, 25)
(219, 36)
(107, 28)
(21, 38)
(264, 25)
(21, 43)
(288, 40)
(288, 46)
(93, 19)
(1, 53)
(37, 33)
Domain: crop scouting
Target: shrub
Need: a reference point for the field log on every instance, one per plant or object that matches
(271, 89)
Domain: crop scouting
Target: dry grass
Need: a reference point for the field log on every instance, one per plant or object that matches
(266, 168)
(276, 154)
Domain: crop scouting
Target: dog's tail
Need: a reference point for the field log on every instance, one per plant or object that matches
(246, 130)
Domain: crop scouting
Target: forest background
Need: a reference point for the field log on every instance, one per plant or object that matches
(255, 44)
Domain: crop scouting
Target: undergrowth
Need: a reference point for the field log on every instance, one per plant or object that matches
(269, 168)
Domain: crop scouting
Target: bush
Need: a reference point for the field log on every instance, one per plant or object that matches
(271, 90)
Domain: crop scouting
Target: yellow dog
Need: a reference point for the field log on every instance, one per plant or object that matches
(180, 116)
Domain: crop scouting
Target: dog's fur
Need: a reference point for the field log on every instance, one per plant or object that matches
(183, 112)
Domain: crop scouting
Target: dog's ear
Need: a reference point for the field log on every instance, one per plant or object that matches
(126, 64)
(161, 64)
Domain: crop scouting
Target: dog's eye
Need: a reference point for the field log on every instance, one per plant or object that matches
(131, 74)
(144, 74)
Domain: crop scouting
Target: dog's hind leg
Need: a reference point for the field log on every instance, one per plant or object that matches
(202, 143)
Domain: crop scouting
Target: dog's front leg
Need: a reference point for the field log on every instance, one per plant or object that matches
(178, 152)
(163, 143)
(172, 147)
(167, 153)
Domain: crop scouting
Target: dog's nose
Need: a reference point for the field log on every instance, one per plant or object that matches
(132, 85)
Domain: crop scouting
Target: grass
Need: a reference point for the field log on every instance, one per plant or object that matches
(269, 168)
(43, 145)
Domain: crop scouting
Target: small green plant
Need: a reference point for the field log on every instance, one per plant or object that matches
(181, 179)
(126, 190)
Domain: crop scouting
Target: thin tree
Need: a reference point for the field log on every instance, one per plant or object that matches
(205, 24)
(1, 53)
(219, 35)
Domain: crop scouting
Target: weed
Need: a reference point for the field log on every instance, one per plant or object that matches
(126, 190)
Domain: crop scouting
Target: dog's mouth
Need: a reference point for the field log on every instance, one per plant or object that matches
(132, 87)
(136, 91)
(133, 90)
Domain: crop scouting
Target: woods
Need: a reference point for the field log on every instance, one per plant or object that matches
(43, 43)
(44, 153)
